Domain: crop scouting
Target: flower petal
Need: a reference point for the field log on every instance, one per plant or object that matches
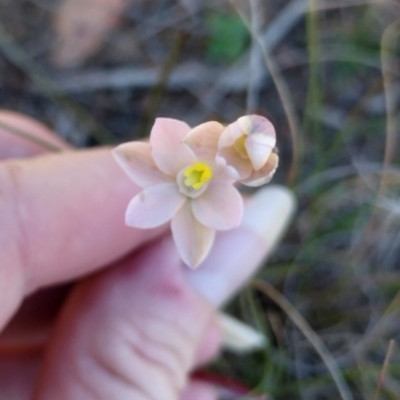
(265, 174)
(261, 138)
(169, 152)
(259, 148)
(219, 207)
(227, 151)
(229, 135)
(136, 161)
(225, 172)
(203, 140)
(233, 159)
(256, 124)
(154, 206)
(192, 239)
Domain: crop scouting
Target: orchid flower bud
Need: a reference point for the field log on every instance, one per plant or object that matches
(248, 145)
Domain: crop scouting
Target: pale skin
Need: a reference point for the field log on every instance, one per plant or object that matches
(133, 322)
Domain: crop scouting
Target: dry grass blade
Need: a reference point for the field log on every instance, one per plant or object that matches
(384, 368)
(290, 111)
(284, 94)
(156, 94)
(255, 67)
(389, 61)
(309, 333)
(381, 326)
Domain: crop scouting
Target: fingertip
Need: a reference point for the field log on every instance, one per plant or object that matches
(22, 136)
(268, 212)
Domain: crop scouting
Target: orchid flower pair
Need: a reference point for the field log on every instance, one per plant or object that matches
(188, 177)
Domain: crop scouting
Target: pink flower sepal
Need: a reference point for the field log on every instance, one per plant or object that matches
(195, 191)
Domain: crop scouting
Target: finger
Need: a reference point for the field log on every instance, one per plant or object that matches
(36, 312)
(130, 331)
(61, 217)
(237, 254)
(13, 145)
(210, 344)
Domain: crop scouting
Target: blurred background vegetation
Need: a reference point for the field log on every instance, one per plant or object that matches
(327, 74)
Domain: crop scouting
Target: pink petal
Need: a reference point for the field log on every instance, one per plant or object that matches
(154, 206)
(224, 172)
(136, 161)
(169, 152)
(259, 148)
(192, 239)
(256, 125)
(233, 159)
(261, 138)
(219, 207)
(229, 135)
(203, 140)
(227, 151)
(265, 174)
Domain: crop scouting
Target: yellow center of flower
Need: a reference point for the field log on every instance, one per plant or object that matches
(240, 147)
(197, 175)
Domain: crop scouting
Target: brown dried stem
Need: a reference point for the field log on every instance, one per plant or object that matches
(309, 333)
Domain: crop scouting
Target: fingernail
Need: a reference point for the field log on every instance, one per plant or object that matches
(268, 212)
(237, 254)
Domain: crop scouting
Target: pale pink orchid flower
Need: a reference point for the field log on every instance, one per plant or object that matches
(195, 192)
(248, 145)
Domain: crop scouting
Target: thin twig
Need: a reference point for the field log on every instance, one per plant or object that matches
(309, 333)
(384, 368)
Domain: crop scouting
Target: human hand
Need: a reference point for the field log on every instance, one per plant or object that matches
(135, 330)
